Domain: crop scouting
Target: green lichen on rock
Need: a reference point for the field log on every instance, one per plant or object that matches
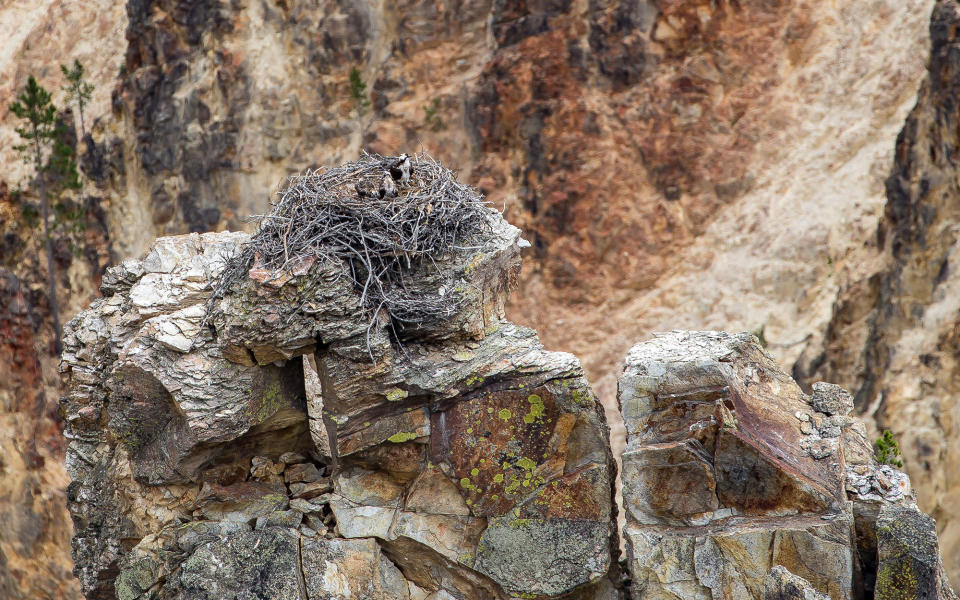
(474, 263)
(137, 578)
(908, 555)
(537, 410)
(396, 395)
(526, 464)
(403, 436)
(269, 403)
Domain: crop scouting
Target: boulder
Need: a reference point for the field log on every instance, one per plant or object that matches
(736, 484)
(908, 556)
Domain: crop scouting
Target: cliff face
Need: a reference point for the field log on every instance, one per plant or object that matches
(903, 314)
(34, 544)
(675, 164)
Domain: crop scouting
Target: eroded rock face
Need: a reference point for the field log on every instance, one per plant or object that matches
(293, 447)
(893, 333)
(34, 557)
(738, 485)
(241, 458)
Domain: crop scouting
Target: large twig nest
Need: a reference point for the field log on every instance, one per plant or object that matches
(336, 214)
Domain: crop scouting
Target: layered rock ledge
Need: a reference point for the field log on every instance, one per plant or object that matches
(294, 449)
(279, 438)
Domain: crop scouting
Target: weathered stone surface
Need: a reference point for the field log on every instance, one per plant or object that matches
(252, 564)
(909, 556)
(517, 464)
(174, 396)
(478, 460)
(831, 399)
(143, 410)
(713, 413)
(781, 584)
(335, 569)
(241, 502)
(730, 560)
(731, 471)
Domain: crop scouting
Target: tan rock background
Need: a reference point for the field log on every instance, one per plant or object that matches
(676, 164)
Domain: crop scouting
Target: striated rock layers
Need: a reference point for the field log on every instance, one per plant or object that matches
(283, 441)
(293, 449)
(738, 485)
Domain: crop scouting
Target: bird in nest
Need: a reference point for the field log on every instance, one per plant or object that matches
(386, 186)
(400, 169)
(376, 187)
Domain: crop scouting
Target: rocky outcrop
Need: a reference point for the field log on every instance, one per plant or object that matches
(892, 337)
(736, 484)
(295, 449)
(677, 164)
(280, 440)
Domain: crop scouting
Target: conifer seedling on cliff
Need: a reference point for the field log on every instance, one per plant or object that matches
(78, 89)
(887, 451)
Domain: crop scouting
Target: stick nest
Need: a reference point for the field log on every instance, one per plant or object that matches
(381, 241)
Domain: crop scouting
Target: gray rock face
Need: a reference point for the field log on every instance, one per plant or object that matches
(781, 584)
(908, 555)
(293, 449)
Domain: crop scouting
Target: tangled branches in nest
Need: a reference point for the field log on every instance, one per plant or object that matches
(323, 214)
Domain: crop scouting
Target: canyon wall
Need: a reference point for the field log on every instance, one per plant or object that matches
(893, 334)
(683, 164)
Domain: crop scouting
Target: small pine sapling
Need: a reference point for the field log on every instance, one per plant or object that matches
(79, 90)
(433, 120)
(358, 91)
(887, 451)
